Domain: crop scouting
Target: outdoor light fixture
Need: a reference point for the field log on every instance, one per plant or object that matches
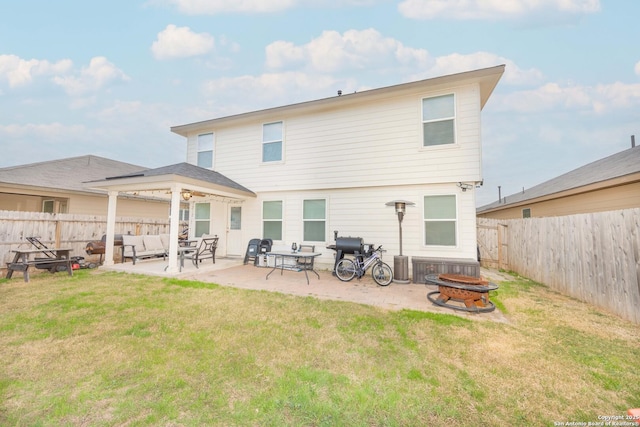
(401, 263)
(464, 186)
(186, 194)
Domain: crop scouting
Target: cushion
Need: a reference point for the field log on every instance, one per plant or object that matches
(165, 241)
(137, 241)
(152, 243)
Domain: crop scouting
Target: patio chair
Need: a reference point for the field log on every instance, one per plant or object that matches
(205, 249)
(306, 263)
(265, 245)
(252, 251)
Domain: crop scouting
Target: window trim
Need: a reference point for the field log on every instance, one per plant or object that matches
(455, 220)
(263, 142)
(324, 220)
(454, 118)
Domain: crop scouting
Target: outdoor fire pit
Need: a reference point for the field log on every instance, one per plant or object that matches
(459, 292)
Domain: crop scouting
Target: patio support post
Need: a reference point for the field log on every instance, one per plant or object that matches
(111, 228)
(174, 229)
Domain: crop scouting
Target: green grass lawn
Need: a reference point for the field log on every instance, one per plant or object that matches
(114, 349)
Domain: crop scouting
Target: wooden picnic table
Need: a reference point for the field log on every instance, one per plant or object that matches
(57, 257)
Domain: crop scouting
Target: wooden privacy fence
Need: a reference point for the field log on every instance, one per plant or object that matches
(592, 257)
(65, 230)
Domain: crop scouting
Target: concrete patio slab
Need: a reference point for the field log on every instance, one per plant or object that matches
(230, 271)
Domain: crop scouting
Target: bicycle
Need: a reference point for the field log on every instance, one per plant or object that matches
(347, 269)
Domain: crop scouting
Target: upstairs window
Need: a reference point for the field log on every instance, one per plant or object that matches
(440, 218)
(526, 213)
(438, 121)
(205, 150)
(314, 217)
(272, 142)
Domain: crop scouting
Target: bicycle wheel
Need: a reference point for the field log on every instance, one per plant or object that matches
(382, 274)
(345, 270)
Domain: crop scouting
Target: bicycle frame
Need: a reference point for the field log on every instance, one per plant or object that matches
(363, 264)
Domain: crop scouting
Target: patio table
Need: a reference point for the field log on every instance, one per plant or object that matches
(21, 261)
(293, 266)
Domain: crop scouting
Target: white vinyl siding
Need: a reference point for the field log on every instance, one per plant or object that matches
(314, 214)
(341, 148)
(206, 144)
(272, 142)
(272, 220)
(438, 120)
(440, 220)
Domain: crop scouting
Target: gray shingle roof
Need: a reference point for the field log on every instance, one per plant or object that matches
(188, 170)
(66, 174)
(617, 165)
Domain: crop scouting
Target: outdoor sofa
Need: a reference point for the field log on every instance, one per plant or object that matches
(147, 246)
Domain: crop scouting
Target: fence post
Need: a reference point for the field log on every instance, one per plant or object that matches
(58, 234)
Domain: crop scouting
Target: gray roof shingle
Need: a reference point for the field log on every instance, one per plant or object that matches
(188, 170)
(66, 174)
(617, 165)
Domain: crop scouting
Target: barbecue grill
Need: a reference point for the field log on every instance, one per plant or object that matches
(348, 246)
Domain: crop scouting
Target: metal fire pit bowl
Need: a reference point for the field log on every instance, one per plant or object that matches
(454, 290)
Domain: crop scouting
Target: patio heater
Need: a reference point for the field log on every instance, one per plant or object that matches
(400, 262)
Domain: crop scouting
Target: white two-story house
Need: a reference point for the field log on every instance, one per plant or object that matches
(332, 164)
(302, 172)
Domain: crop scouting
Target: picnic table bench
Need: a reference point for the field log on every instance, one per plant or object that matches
(61, 261)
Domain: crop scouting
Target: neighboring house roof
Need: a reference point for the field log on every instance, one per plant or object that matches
(618, 165)
(487, 78)
(189, 171)
(65, 174)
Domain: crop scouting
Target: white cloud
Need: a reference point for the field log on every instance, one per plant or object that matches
(456, 63)
(493, 9)
(19, 72)
(600, 99)
(181, 42)
(97, 75)
(354, 49)
(637, 68)
(271, 89)
(210, 7)
(45, 132)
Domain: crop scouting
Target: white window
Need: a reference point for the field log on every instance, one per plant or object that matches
(48, 206)
(272, 220)
(272, 142)
(205, 150)
(314, 218)
(438, 120)
(440, 220)
(202, 218)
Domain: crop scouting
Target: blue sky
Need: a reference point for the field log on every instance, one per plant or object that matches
(111, 78)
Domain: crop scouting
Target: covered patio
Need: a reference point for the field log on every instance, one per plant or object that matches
(182, 182)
